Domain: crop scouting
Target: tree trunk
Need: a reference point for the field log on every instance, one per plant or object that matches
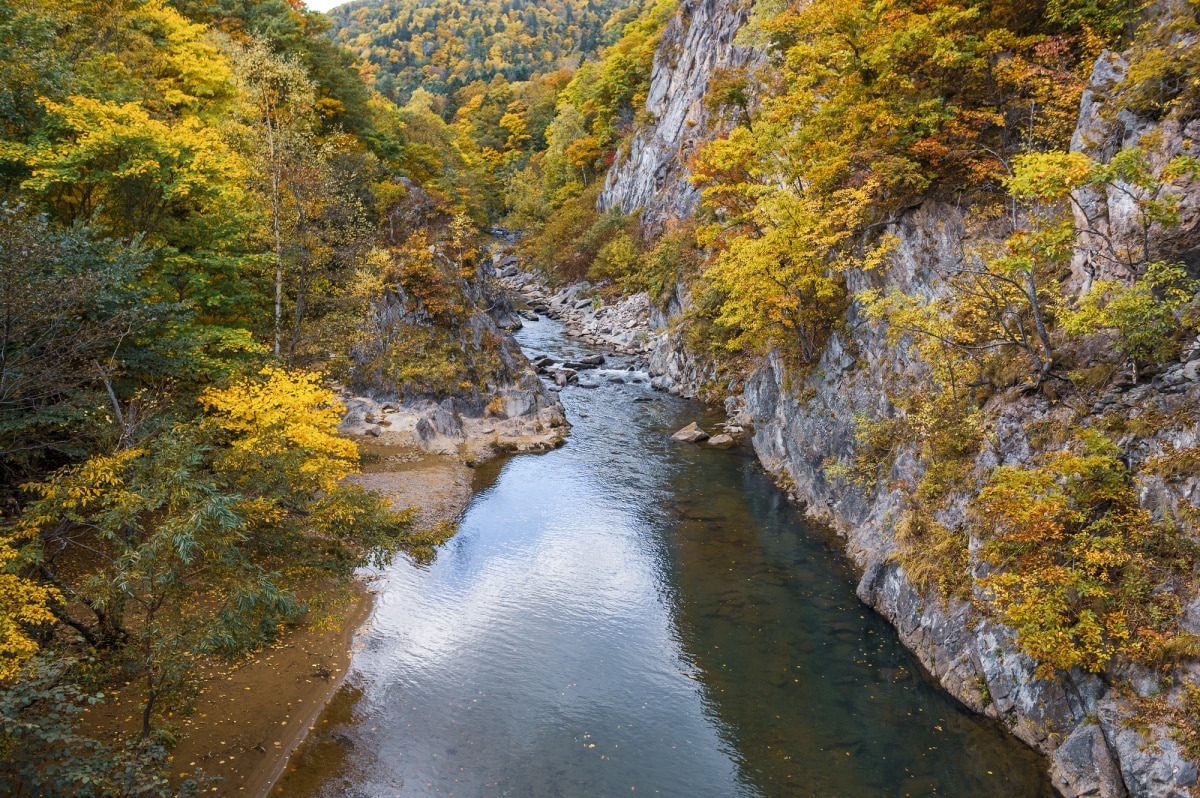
(275, 214)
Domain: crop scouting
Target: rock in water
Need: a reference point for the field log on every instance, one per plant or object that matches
(722, 441)
(690, 434)
(564, 376)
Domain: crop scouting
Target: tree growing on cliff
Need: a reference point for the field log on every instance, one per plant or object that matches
(1078, 565)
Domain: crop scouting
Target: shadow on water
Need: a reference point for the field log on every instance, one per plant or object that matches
(628, 614)
(812, 691)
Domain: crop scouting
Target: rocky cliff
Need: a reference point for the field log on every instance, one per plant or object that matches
(651, 173)
(450, 383)
(1084, 723)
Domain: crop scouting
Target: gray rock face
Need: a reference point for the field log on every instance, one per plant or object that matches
(1110, 217)
(1083, 767)
(675, 368)
(1157, 770)
(975, 660)
(651, 174)
(443, 421)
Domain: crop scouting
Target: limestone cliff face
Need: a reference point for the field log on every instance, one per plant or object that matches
(652, 174)
(1113, 229)
(1080, 721)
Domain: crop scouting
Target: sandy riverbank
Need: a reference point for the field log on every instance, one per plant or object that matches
(250, 717)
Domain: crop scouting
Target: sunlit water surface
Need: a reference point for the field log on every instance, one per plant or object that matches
(630, 615)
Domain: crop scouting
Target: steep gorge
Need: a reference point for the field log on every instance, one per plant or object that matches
(1086, 723)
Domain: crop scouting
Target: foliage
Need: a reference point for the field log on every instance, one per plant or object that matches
(778, 264)
(1147, 315)
(1164, 65)
(558, 248)
(445, 46)
(1003, 301)
(608, 91)
(44, 753)
(24, 606)
(866, 109)
(191, 190)
(68, 307)
(229, 513)
(1074, 555)
(671, 260)
(595, 110)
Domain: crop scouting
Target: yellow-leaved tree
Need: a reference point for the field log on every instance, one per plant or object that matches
(24, 605)
(201, 539)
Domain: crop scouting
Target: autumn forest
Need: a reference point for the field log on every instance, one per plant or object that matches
(207, 208)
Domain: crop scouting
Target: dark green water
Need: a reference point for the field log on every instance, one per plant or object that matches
(631, 616)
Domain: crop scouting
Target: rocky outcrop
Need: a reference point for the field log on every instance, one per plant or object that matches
(363, 417)
(651, 174)
(1081, 722)
(1115, 234)
(495, 401)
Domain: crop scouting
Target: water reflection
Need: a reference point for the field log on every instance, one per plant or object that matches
(631, 615)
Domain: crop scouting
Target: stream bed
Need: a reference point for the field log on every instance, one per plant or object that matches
(628, 615)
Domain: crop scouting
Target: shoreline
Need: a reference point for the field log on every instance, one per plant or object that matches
(251, 718)
(439, 486)
(262, 781)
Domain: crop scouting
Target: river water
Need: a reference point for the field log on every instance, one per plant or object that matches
(632, 616)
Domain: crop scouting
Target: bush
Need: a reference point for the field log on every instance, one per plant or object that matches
(1079, 565)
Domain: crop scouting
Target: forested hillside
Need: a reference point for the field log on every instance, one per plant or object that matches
(202, 209)
(941, 254)
(444, 46)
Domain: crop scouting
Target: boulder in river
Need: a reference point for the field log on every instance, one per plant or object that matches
(690, 434)
(592, 360)
(721, 441)
(564, 376)
(529, 315)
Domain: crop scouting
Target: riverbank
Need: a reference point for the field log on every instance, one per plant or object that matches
(249, 718)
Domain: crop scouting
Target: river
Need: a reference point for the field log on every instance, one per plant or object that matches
(627, 615)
